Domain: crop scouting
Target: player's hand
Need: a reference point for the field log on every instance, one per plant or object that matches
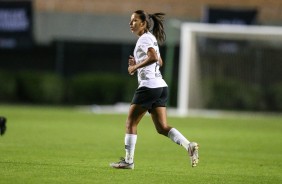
(131, 61)
(132, 69)
(131, 65)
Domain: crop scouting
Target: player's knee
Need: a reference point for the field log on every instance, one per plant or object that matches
(163, 130)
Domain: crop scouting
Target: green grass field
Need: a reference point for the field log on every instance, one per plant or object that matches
(65, 145)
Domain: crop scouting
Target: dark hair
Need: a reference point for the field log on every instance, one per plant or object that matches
(155, 26)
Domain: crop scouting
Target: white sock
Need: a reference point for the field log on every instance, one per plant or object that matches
(178, 138)
(129, 142)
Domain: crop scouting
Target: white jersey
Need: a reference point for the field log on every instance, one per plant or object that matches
(148, 76)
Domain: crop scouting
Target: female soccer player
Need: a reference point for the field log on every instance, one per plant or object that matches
(152, 92)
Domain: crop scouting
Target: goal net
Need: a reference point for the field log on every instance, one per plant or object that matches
(229, 67)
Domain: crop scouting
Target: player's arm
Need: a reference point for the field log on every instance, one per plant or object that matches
(152, 58)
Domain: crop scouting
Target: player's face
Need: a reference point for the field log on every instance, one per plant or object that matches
(136, 25)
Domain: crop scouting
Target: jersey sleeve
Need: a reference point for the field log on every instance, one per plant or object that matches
(145, 43)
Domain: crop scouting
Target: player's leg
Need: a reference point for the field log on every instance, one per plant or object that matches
(159, 118)
(158, 115)
(136, 112)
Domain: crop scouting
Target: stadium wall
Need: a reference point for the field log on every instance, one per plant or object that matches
(107, 20)
(50, 26)
(270, 10)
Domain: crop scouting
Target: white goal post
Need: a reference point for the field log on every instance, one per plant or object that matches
(189, 91)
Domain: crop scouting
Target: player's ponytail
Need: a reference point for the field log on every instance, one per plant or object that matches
(154, 24)
(158, 27)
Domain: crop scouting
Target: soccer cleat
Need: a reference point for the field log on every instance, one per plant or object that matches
(2, 125)
(122, 164)
(193, 151)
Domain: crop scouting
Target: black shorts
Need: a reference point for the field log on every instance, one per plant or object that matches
(150, 98)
